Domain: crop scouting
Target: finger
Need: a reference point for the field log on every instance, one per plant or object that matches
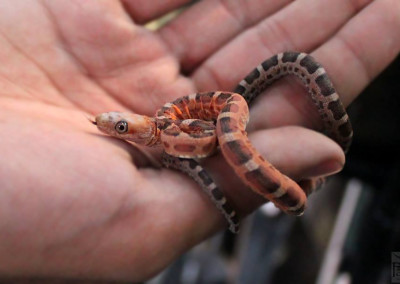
(352, 58)
(297, 152)
(365, 45)
(205, 28)
(292, 28)
(143, 11)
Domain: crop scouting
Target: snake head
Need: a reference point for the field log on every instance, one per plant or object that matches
(128, 126)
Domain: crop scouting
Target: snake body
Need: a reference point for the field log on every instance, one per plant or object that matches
(192, 126)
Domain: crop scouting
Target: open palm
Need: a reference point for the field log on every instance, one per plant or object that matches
(74, 203)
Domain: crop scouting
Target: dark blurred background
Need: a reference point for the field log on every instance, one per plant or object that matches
(350, 229)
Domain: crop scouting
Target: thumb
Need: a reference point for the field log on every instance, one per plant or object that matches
(297, 152)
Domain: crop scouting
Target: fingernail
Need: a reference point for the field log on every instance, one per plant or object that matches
(327, 168)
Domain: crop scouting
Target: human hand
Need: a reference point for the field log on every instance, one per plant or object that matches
(77, 204)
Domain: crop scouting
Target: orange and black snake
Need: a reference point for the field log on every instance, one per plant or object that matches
(193, 126)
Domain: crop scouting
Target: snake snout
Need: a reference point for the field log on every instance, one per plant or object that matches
(105, 122)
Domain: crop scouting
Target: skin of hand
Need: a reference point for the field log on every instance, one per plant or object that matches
(77, 204)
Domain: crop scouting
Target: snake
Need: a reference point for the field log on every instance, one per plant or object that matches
(195, 126)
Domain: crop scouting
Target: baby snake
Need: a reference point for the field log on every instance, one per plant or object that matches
(193, 126)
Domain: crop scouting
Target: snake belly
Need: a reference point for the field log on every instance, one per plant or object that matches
(230, 112)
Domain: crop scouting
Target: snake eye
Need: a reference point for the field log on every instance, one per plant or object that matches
(121, 127)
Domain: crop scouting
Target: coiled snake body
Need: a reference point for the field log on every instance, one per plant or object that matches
(192, 126)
